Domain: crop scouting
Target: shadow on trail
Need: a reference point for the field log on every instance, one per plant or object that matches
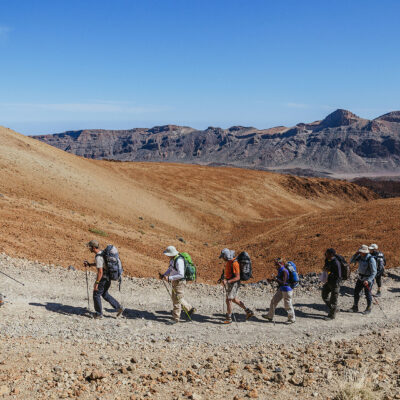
(195, 317)
(394, 290)
(130, 313)
(393, 276)
(346, 291)
(65, 309)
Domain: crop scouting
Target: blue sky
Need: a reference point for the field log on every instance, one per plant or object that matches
(118, 64)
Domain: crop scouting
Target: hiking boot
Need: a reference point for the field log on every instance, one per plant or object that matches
(191, 312)
(354, 309)
(332, 314)
(290, 321)
(175, 321)
(378, 294)
(228, 319)
(265, 316)
(249, 314)
(367, 310)
(120, 312)
(97, 316)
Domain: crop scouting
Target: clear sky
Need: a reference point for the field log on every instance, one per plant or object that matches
(75, 64)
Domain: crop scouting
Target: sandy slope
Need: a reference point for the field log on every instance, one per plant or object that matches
(50, 199)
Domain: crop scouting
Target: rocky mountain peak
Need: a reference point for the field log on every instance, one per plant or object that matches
(339, 117)
(393, 116)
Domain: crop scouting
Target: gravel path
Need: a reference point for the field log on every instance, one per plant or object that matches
(51, 348)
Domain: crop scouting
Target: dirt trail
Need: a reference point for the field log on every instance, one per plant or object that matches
(50, 346)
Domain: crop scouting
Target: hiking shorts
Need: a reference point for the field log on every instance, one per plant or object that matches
(232, 290)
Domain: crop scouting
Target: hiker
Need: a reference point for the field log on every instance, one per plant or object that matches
(366, 275)
(176, 275)
(380, 266)
(230, 280)
(103, 281)
(330, 290)
(284, 292)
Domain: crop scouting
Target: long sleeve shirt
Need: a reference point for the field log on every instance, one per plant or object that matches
(176, 269)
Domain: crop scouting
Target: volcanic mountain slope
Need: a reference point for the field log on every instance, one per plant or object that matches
(341, 143)
(53, 202)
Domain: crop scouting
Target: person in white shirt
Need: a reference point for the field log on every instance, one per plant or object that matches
(176, 275)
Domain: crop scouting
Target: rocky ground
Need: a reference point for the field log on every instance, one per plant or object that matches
(50, 348)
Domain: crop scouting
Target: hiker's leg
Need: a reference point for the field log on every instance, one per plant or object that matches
(288, 304)
(180, 291)
(97, 297)
(326, 290)
(274, 302)
(239, 303)
(379, 281)
(334, 297)
(357, 290)
(107, 296)
(176, 312)
(229, 306)
(368, 294)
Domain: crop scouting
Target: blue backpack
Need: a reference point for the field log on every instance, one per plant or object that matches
(293, 275)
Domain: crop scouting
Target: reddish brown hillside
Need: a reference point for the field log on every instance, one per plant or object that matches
(51, 199)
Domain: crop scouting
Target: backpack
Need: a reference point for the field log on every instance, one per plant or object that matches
(344, 267)
(190, 269)
(246, 270)
(113, 263)
(380, 262)
(293, 279)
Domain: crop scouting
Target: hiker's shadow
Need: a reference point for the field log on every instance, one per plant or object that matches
(195, 317)
(130, 313)
(393, 276)
(346, 291)
(63, 308)
(314, 306)
(394, 290)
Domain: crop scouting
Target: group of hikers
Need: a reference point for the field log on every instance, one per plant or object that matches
(371, 265)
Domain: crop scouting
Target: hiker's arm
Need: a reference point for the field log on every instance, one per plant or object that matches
(355, 258)
(98, 278)
(284, 278)
(235, 278)
(180, 267)
(372, 264)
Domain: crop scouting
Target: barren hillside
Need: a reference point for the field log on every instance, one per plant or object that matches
(51, 199)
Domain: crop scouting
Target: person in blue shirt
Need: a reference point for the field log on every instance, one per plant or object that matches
(284, 292)
(366, 275)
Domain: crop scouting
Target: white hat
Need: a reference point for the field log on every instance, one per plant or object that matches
(171, 251)
(373, 246)
(363, 249)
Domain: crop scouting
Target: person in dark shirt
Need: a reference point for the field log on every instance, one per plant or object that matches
(330, 290)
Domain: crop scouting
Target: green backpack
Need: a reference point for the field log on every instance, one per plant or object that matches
(190, 269)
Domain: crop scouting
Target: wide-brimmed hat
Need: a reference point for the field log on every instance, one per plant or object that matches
(93, 244)
(373, 246)
(171, 251)
(227, 254)
(363, 249)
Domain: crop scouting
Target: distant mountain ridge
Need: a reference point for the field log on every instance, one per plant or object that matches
(341, 143)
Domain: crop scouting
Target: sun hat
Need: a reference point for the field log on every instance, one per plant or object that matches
(93, 244)
(227, 254)
(171, 251)
(363, 249)
(279, 261)
(373, 246)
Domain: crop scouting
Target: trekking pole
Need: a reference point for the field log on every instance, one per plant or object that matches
(8, 276)
(375, 300)
(87, 289)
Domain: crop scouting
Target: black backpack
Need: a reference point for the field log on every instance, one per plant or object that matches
(113, 263)
(246, 271)
(345, 267)
(380, 262)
